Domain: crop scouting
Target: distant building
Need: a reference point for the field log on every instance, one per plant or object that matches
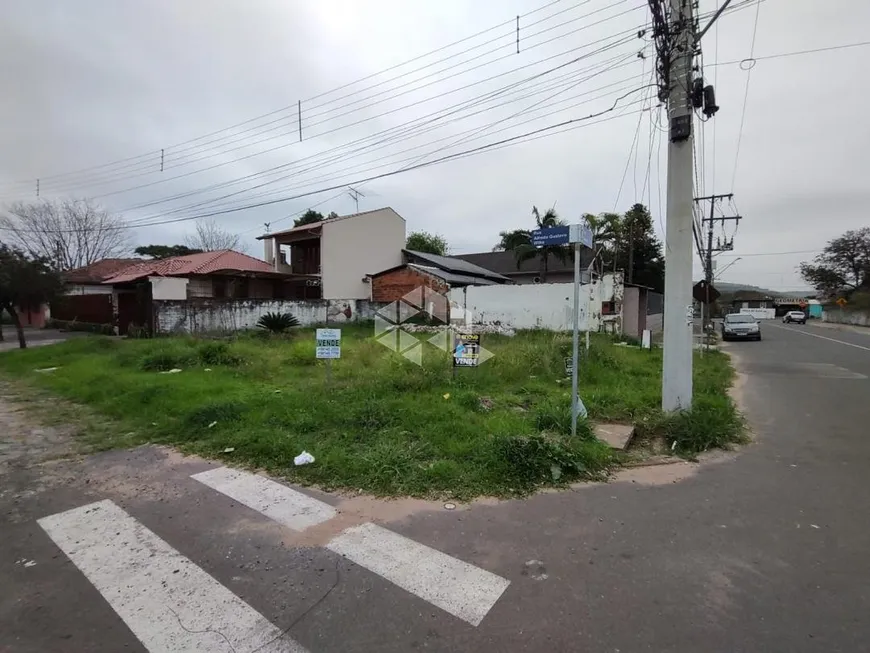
(437, 273)
(331, 259)
(505, 263)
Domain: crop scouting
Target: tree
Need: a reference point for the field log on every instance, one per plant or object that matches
(309, 217)
(70, 234)
(332, 215)
(423, 241)
(628, 242)
(525, 251)
(25, 281)
(165, 251)
(210, 237)
(843, 266)
(509, 240)
(639, 252)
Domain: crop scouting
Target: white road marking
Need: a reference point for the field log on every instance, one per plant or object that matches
(816, 335)
(168, 602)
(278, 502)
(463, 590)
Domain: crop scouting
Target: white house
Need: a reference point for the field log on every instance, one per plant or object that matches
(331, 259)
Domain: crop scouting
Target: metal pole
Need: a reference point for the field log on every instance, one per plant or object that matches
(577, 407)
(678, 318)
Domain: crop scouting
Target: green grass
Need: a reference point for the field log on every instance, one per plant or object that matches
(381, 423)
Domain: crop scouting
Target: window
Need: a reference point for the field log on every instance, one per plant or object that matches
(219, 288)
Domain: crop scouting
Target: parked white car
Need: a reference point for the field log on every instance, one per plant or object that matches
(798, 317)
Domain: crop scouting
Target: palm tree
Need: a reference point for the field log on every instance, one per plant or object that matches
(509, 240)
(525, 251)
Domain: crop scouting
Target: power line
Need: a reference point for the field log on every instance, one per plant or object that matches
(530, 135)
(293, 107)
(363, 120)
(745, 95)
(289, 107)
(796, 53)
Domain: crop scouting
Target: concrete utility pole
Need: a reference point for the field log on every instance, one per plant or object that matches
(678, 318)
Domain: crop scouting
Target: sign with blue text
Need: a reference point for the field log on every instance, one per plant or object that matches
(466, 349)
(328, 343)
(551, 236)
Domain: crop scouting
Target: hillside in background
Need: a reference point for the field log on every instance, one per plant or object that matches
(725, 287)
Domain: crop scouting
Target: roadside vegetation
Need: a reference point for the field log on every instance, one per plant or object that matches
(380, 423)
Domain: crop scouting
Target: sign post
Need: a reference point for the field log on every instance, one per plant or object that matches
(328, 348)
(576, 234)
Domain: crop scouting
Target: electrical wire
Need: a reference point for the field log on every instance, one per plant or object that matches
(524, 137)
(745, 95)
(620, 37)
(46, 186)
(271, 113)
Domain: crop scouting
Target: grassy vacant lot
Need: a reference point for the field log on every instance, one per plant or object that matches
(382, 424)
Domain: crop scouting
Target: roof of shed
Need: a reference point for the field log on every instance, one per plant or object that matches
(453, 264)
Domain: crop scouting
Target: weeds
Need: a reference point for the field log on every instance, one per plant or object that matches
(382, 423)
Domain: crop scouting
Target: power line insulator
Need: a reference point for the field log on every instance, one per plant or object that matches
(710, 106)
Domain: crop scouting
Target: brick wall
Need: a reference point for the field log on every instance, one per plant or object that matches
(394, 285)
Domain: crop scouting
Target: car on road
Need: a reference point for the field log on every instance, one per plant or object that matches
(798, 317)
(740, 326)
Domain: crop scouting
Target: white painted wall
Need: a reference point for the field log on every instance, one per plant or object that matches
(760, 313)
(856, 318)
(168, 287)
(88, 289)
(223, 315)
(354, 247)
(542, 306)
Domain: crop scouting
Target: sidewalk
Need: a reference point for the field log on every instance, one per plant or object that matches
(841, 327)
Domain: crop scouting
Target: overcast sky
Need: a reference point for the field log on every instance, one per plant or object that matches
(91, 82)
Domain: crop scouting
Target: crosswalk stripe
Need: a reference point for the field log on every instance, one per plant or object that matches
(463, 590)
(278, 502)
(169, 603)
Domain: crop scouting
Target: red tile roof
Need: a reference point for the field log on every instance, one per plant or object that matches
(97, 271)
(179, 266)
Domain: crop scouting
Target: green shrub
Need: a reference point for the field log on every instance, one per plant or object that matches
(166, 356)
(75, 325)
(277, 322)
(530, 460)
(218, 353)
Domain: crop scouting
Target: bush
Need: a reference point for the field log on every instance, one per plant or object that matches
(277, 322)
(218, 353)
(75, 325)
(528, 461)
(166, 356)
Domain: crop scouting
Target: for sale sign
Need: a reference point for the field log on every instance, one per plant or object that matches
(328, 343)
(466, 349)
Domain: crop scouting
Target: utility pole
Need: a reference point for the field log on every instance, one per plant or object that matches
(721, 246)
(678, 317)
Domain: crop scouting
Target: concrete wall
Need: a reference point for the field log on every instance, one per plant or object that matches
(543, 305)
(168, 287)
(856, 318)
(227, 315)
(352, 248)
(88, 289)
(760, 313)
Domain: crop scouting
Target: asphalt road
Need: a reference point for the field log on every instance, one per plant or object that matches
(763, 550)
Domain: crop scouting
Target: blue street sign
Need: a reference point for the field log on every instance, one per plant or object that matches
(551, 236)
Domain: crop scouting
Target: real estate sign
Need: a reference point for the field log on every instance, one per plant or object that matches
(466, 349)
(328, 343)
